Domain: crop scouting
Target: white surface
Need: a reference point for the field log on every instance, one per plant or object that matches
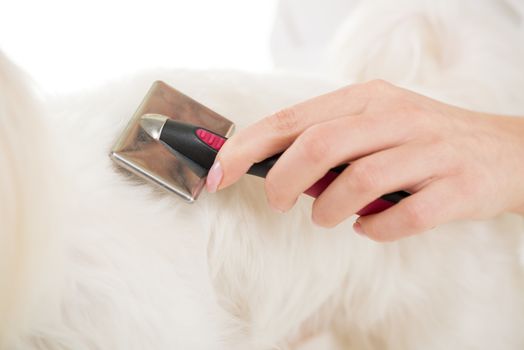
(68, 45)
(303, 31)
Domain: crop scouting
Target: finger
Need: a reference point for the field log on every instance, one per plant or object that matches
(437, 203)
(399, 168)
(322, 147)
(275, 133)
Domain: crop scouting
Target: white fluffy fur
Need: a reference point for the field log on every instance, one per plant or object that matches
(126, 267)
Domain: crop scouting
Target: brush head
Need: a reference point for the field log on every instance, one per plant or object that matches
(153, 124)
(139, 150)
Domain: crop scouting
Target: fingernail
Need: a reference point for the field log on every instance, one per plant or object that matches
(357, 227)
(214, 177)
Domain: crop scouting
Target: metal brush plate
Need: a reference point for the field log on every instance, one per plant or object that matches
(137, 152)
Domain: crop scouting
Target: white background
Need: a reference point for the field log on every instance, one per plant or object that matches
(69, 45)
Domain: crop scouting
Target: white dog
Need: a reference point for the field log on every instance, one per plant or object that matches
(91, 259)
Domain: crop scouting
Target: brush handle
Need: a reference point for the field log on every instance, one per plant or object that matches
(388, 200)
(201, 146)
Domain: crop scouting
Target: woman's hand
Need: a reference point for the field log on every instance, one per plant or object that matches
(456, 163)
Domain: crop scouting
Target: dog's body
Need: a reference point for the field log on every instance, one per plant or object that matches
(93, 259)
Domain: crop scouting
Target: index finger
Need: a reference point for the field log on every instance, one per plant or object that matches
(273, 134)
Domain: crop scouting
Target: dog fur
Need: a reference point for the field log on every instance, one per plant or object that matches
(93, 259)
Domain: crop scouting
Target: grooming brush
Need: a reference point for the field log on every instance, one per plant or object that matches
(173, 141)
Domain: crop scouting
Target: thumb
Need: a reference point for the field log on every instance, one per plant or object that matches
(251, 145)
(228, 161)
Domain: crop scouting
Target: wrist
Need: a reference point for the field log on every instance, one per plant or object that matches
(509, 133)
(516, 129)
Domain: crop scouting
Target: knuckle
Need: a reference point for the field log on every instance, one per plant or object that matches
(379, 85)
(363, 176)
(284, 121)
(382, 95)
(313, 144)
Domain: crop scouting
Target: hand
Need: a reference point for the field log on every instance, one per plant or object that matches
(456, 163)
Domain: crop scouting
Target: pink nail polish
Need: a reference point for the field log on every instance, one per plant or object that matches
(357, 227)
(214, 177)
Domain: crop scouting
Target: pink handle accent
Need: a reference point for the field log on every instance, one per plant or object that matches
(374, 207)
(318, 187)
(212, 140)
